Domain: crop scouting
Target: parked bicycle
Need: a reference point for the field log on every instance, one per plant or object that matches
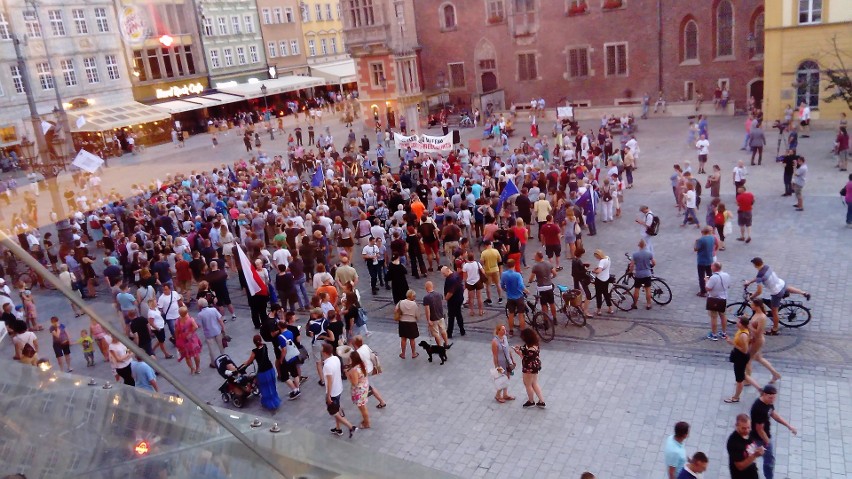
(622, 298)
(660, 291)
(539, 320)
(570, 301)
(792, 314)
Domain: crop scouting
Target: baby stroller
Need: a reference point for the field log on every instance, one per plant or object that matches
(239, 385)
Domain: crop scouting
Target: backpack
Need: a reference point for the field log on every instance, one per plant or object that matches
(94, 224)
(317, 328)
(655, 225)
(361, 319)
(607, 194)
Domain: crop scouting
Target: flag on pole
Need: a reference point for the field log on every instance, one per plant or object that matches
(508, 191)
(256, 285)
(318, 177)
(588, 201)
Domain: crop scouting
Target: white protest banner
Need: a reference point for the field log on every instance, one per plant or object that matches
(81, 121)
(565, 112)
(87, 161)
(424, 143)
(403, 142)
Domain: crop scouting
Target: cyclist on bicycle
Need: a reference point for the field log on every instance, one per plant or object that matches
(641, 263)
(513, 284)
(543, 272)
(776, 287)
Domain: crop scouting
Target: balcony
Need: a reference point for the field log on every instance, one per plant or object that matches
(367, 35)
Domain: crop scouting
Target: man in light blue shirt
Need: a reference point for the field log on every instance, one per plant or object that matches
(642, 263)
(144, 376)
(513, 284)
(675, 454)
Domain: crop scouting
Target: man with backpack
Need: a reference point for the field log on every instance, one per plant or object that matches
(650, 226)
(319, 334)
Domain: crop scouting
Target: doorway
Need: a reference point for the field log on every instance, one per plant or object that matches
(755, 89)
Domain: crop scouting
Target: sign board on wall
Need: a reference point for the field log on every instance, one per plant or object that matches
(133, 24)
(179, 90)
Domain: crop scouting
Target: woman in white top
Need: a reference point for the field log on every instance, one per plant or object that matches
(158, 326)
(227, 239)
(119, 358)
(602, 282)
(473, 283)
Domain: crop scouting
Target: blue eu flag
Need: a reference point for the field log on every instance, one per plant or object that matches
(508, 192)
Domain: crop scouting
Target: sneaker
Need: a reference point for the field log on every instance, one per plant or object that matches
(723, 335)
(487, 301)
(528, 404)
(336, 432)
(291, 396)
(303, 379)
(352, 431)
(233, 317)
(711, 337)
(541, 404)
(499, 300)
(297, 393)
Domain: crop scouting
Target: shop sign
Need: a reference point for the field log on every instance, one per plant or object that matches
(133, 25)
(178, 91)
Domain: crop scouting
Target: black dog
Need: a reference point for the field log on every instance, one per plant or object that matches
(441, 351)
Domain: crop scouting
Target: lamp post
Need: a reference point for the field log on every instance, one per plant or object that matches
(263, 91)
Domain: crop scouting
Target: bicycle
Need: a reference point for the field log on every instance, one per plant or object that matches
(570, 299)
(660, 291)
(792, 314)
(540, 321)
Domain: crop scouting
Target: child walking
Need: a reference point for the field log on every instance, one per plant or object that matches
(88, 344)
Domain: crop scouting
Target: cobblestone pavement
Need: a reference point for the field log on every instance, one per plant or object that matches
(626, 379)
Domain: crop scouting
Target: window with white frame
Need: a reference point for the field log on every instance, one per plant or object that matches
(810, 11)
(333, 45)
(45, 77)
(361, 13)
(31, 24)
(690, 41)
(377, 74)
(757, 33)
(724, 29)
(318, 12)
(91, 66)
(278, 15)
(294, 47)
(101, 20)
(253, 55)
(447, 16)
(496, 10)
(248, 22)
(80, 25)
(68, 73)
(616, 59)
(288, 15)
(306, 14)
(223, 25)
(4, 27)
(112, 67)
(214, 59)
(228, 54)
(527, 66)
(456, 75)
(207, 22)
(328, 12)
(57, 26)
(807, 84)
(524, 6)
(312, 48)
(235, 24)
(338, 10)
(271, 50)
(323, 47)
(282, 48)
(578, 62)
(241, 55)
(267, 16)
(17, 79)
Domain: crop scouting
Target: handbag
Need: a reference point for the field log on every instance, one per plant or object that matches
(501, 381)
(717, 304)
(377, 366)
(577, 229)
(397, 314)
(729, 227)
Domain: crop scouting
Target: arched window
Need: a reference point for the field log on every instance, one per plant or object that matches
(690, 41)
(757, 34)
(448, 16)
(807, 83)
(724, 29)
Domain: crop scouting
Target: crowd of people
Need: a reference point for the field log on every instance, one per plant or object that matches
(297, 224)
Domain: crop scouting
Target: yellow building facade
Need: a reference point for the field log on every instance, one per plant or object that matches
(322, 27)
(799, 47)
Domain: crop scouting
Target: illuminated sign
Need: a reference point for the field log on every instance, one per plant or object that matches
(141, 448)
(177, 91)
(133, 25)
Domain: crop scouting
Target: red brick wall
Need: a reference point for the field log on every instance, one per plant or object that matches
(635, 24)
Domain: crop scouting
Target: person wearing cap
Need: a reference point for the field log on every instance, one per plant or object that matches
(776, 287)
(762, 410)
(602, 274)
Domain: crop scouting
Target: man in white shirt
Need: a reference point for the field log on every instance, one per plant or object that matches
(333, 390)
(717, 287)
(689, 200)
(281, 256)
(366, 357)
(805, 119)
(169, 303)
(740, 174)
(371, 255)
(633, 144)
(703, 147)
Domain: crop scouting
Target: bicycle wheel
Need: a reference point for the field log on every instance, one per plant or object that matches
(621, 297)
(544, 326)
(660, 292)
(574, 314)
(735, 310)
(793, 315)
(625, 279)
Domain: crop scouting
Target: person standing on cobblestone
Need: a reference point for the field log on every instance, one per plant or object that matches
(745, 203)
(642, 263)
(846, 192)
(761, 411)
(717, 296)
(705, 250)
(799, 182)
(213, 327)
(743, 450)
(501, 355)
(454, 295)
(530, 366)
(675, 454)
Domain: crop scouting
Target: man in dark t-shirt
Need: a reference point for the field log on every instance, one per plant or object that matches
(789, 167)
(742, 451)
(139, 327)
(454, 295)
(761, 411)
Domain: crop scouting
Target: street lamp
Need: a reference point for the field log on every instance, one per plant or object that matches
(263, 91)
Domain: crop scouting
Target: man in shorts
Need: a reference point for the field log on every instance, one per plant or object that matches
(513, 283)
(61, 344)
(543, 274)
(433, 303)
(333, 390)
(777, 288)
(490, 259)
(641, 264)
(551, 238)
(745, 203)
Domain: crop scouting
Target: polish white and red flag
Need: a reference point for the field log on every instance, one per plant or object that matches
(256, 285)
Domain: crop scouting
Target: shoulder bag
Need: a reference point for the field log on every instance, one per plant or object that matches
(717, 305)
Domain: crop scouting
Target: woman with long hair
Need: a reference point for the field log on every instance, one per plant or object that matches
(356, 372)
(530, 366)
(187, 341)
(269, 398)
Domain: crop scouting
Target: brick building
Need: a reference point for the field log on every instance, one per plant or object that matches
(593, 52)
